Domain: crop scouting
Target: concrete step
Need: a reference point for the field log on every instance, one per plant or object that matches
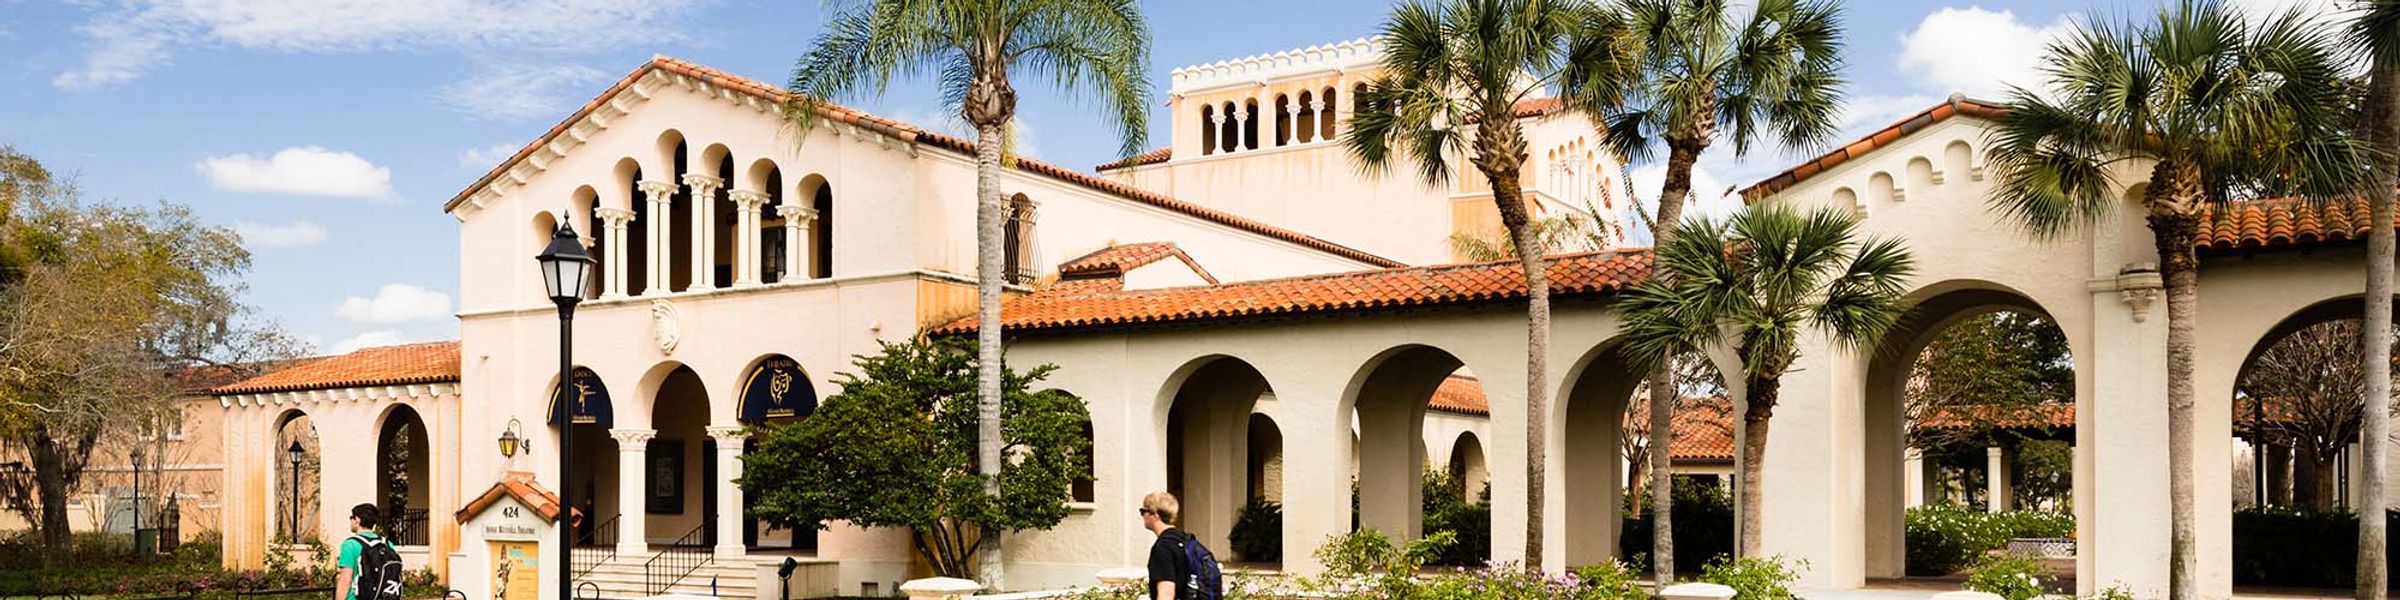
(624, 579)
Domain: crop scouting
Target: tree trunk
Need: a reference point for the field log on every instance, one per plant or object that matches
(1758, 408)
(1500, 154)
(2321, 480)
(2376, 333)
(2279, 475)
(50, 477)
(2174, 197)
(2304, 478)
(1677, 185)
(989, 105)
(1636, 476)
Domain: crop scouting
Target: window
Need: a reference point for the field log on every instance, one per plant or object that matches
(1208, 130)
(1017, 243)
(1081, 490)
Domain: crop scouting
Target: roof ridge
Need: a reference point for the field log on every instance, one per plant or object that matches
(1444, 267)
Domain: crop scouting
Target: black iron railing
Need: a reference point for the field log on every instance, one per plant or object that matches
(409, 529)
(672, 563)
(596, 547)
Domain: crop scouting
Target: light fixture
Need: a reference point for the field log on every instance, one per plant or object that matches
(510, 441)
(566, 267)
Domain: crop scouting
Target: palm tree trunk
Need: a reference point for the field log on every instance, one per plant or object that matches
(1677, 186)
(2376, 334)
(1758, 408)
(988, 278)
(1501, 154)
(2174, 231)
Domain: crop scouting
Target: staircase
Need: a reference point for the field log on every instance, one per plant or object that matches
(623, 579)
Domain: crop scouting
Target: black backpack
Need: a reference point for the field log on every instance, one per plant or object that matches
(377, 576)
(1203, 578)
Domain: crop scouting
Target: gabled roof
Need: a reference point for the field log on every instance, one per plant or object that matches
(1117, 260)
(1955, 106)
(521, 486)
(1064, 308)
(430, 362)
(774, 96)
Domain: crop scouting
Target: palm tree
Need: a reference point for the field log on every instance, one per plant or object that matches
(1678, 73)
(1454, 71)
(2216, 106)
(1755, 286)
(1098, 47)
(2377, 29)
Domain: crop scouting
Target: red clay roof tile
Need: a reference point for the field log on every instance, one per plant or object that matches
(1957, 105)
(431, 362)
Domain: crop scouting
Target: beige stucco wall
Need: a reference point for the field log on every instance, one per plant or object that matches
(187, 463)
(347, 422)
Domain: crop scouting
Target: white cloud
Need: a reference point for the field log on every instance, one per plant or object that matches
(2323, 12)
(306, 170)
(481, 159)
(1862, 113)
(299, 233)
(138, 35)
(379, 337)
(396, 303)
(1977, 51)
(517, 92)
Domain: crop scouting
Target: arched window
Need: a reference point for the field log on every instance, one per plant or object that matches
(1283, 119)
(770, 232)
(1325, 118)
(678, 260)
(1208, 129)
(726, 228)
(1308, 117)
(637, 246)
(1250, 124)
(822, 236)
(1082, 488)
(1017, 242)
(1229, 135)
(587, 213)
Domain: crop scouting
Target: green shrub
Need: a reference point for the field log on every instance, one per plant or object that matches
(1367, 564)
(1755, 578)
(1470, 523)
(1258, 531)
(1703, 526)
(2285, 546)
(1943, 538)
(1611, 579)
(2010, 576)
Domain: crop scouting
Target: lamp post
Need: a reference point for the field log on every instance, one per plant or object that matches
(137, 493)
(566, 270)
(292, 528)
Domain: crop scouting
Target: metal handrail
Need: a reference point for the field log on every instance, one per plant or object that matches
(410, 529)
(596, 548)
(668, 567)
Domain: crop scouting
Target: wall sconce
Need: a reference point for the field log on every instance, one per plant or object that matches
(510, 441)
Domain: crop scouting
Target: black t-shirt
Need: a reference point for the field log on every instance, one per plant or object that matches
(1166, 560)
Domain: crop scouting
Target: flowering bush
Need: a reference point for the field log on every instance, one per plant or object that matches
(1755, 578)
(1943, 538)
(2011, 576)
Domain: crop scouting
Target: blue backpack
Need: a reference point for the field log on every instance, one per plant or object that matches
(1204, 579)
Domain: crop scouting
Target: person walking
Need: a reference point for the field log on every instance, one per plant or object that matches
(1181, 568)
(367, 560)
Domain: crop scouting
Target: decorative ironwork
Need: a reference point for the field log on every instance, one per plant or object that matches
(671, 564)
(595, 546)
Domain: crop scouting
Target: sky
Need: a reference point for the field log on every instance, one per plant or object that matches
(330, 132)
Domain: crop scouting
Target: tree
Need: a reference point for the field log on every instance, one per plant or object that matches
(1099, 47)
(2377, 29)
(1985, 374)
(1679, 73)
(2216, 106)
(1695, 377)
(2309, 387)
(1755, 285)
(898, 448)
(101, 307)
(1454, 71)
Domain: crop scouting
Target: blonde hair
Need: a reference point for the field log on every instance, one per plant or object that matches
(1164, 505)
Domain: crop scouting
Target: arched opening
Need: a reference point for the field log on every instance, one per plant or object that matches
(1468, 468)
(1307, 108)
(679, 468)
(725, 229)
(1325, 116)
(587, 222)
(637, 243)
(1970, 410)
(403, 482)
(680, 212)
(776, 392)
(1084, 489)
(1208, 129)
(769, 251)
(1016, 242)
(1604, 423)
(1283, 119)
(298, 486)
(1958, 159)
(1250, 119)
(593, 487)
(1390, 402)
(1880, 187)
(2298, 410)
(821, 234)
(1229, 132)
(545, 224)
(1258, 528)
(1206, 433)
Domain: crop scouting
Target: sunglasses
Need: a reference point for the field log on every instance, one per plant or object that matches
(1147, 512)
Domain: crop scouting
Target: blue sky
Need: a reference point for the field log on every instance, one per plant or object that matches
(330, 131)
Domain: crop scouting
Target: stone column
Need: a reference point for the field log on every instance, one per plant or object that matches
(633, 521)
(662, 221)
(1318, 105)
(613, 282)
(1913, 489)
(1995, 479)
(798, 219)
(729, 496)
(704, 229)
(745, 249)
(1217, 122)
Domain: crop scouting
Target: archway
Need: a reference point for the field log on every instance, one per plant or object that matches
(1391, 398)
(775, 392)
(1207, 429)
(298, 485)
(1969, 408)
(679, 467)
(1468, 467)
(403, 481)
(2298, 410)
(593, 487)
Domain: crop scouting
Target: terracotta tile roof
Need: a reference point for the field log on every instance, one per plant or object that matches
(2253, 224)
(1535, 107)
(919, 135)
(1115, 261)
(1955, 106)
(1461, 395)
(1060, 309)
(2042, 416)
(1146, 158)
(519, 485)
(1703, 428)
(430, 362)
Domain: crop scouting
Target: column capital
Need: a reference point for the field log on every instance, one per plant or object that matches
(797, 212)
(626, 438)
(614, 217)
(728, 433)
(749, 200)
(698, 181)
(657, 190)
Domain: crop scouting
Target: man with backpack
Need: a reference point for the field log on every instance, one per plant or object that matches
(1180, 567)
(370, 567)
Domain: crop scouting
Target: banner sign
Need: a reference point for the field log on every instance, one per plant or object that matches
(589, 398)
(777, 389)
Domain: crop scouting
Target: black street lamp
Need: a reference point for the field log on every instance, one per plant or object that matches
(566, 271)
(137, 494)
(292, 529)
